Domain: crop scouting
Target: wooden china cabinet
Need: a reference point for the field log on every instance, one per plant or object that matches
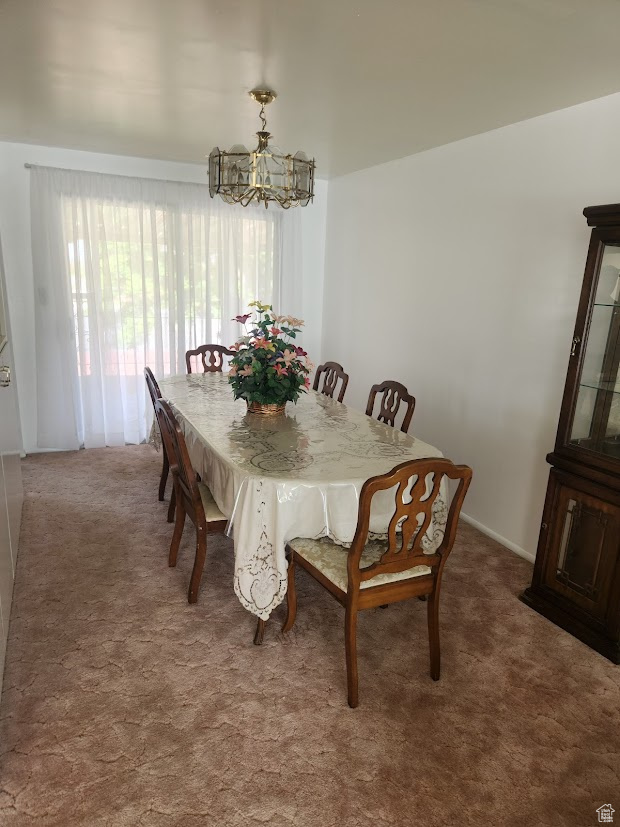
(576, 581)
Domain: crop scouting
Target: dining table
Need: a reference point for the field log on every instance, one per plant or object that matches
(298, 474)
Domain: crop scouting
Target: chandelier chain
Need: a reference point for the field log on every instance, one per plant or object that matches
(262, 117)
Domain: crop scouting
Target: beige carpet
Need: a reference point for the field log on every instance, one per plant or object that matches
(123, 705)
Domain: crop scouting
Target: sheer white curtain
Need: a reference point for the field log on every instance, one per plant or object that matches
(132, 272)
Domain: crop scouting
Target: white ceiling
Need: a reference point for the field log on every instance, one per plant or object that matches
(359, 82)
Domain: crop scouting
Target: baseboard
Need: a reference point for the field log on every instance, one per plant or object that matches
(527, 555)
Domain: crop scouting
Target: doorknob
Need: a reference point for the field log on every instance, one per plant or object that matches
(5, 376)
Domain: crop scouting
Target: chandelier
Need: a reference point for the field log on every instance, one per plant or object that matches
(265, 174)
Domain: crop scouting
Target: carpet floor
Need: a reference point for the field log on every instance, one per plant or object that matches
(123, 705)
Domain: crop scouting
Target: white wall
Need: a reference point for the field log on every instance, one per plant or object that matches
(313, 239)
(457, 271)
(15, 233)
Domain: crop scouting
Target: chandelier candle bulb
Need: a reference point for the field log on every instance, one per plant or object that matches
(263, 175)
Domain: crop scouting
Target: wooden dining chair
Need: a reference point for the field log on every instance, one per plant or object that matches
(376, 573)
(155, 394)
(393, 395)
(211, 356)
(193, 498)
(331, 372)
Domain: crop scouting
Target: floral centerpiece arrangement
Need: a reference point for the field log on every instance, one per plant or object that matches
(268, 370)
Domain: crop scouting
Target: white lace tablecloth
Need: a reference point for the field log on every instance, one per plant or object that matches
(297, 475)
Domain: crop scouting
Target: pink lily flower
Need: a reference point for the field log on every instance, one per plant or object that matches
(275, 331)
(287, 357)
(233, 371)
(307, 383)
(247, 371)
(265, 344)
(281, 371)
(242, 319)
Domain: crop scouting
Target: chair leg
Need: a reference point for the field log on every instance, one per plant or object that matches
(199, 563)
(164, 474)
(171, 507)
(433, 632)
(176, 535)
(350, 641)
(259, 634)
(291, 596)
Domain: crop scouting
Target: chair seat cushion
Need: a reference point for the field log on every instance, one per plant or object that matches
(331, 560)
(212, 512)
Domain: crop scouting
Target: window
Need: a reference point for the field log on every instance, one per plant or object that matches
(142, 271)
(147, 284)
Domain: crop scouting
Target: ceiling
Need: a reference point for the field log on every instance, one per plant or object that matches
(359, 82)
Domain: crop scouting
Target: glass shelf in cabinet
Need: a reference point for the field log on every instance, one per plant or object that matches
(608, 387)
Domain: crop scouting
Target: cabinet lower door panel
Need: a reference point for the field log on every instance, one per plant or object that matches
(578, 561)
(585, 536)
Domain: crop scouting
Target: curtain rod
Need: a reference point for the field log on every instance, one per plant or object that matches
(202, 185)
(121, 175)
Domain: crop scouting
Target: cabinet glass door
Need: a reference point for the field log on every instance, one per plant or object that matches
(596, 420)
